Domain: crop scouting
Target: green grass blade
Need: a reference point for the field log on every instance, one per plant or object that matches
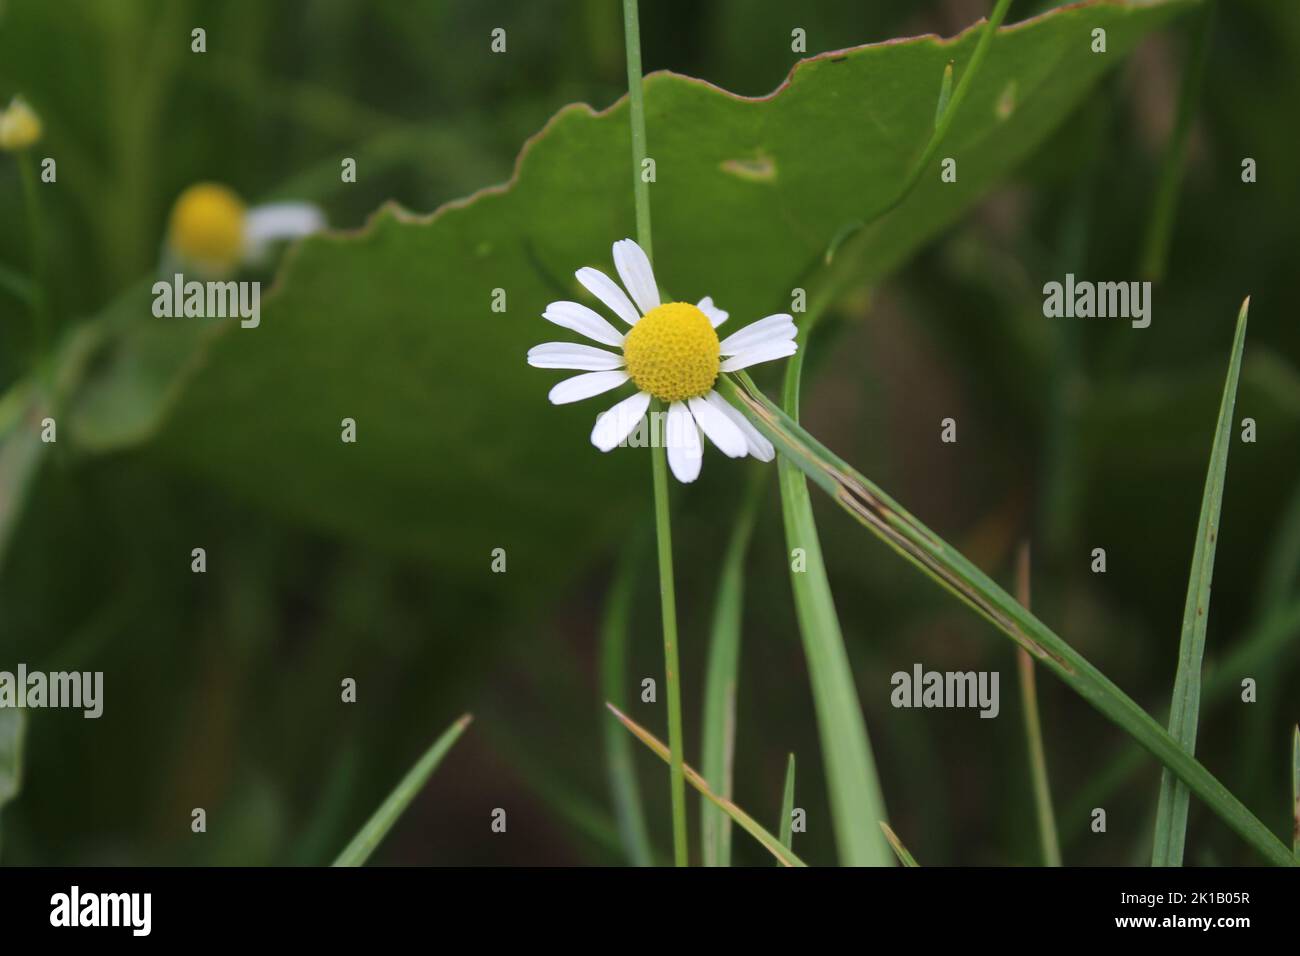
(786, 829)
(742, 819)
(945, 94)
(1161, 224)
(377, 827)
(1295, 792)
(907, 536)
(947, 111)
(1185, 707)
(896, 845)
(1047, 836)
(721, 681)
(855, 793)
(1282, 570)
(13, 731)
(628, 809)
(1265, 645)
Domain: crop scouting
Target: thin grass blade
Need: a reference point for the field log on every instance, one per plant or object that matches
(1295, 792)
(854, 788)
(720, 682)
(743, 819)
(13, 732)
(372, 834)
(895, 844)
(626, 793)
(1048, 840)
(1185, 707)
(907, 536)
(787, 807)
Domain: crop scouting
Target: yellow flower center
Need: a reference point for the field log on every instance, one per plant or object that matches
(207, 226)
(20, 127)
(672, 352)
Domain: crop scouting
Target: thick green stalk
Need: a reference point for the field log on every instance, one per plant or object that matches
(857, 802)
(889, 521)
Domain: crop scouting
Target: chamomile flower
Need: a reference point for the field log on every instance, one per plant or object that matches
(671, 352)
(20, 127)
(213, 232)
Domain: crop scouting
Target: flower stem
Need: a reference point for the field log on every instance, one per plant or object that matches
(672, 682)
(31, 199)
(640, 188)
(658, 454)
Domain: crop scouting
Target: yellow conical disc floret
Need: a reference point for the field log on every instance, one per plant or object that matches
(20, 127)
(672, 352)
(207, 226)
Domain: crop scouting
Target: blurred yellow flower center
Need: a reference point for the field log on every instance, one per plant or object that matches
(672, 353)
(207, 226)
(20, 127)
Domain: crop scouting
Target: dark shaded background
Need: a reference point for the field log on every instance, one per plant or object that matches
(222, 689)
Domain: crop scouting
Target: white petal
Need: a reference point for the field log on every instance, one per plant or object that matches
(685, 454)
(614, 425)
(634, 269)
(578, 318)
(722, 431)
(774, 328)
(762, 353)
(586, 385)
(759, 446)
(606, 290)
(572, 355)
(281, 220)
(716, 315)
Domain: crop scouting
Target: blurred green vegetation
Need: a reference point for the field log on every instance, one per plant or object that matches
(222, 690)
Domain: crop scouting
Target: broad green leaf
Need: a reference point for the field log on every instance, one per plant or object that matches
(910, 538)
(1185, 707)
(393, 326)
(742, 819)
(372, 834)
(720, 680)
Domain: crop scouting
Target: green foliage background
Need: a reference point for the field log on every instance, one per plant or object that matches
(222, 689)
